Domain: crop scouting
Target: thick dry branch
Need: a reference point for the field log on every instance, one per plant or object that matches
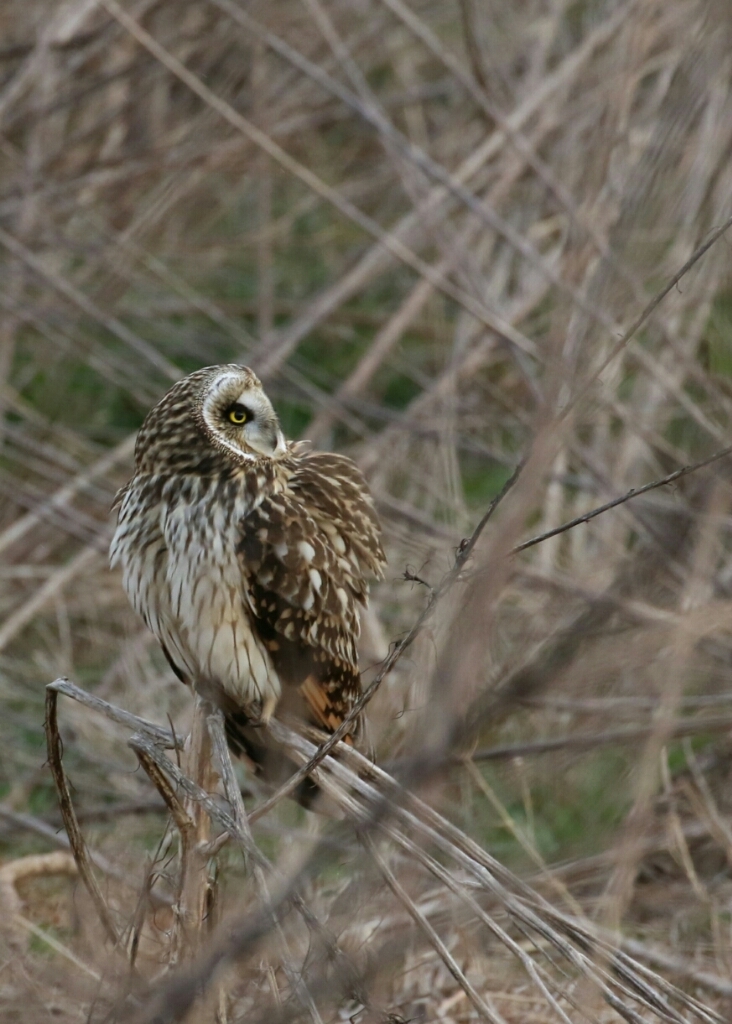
(255, 859)
(194, 886)
(160, 780)
(78, 845)
(235, 941)
(374, 800)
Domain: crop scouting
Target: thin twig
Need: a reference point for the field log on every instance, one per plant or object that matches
(656, 301)
(634, 492)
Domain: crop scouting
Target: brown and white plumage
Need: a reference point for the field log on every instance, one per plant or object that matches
(246, 555)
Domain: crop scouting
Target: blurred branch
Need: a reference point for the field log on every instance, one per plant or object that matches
(464, 551)
(367, 108)
(89, 306)
(20, 618)
(33, 865)
(432, 210)
(52, 835)
(590, 741)
(264, 141)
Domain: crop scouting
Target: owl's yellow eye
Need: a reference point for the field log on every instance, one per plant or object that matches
(237, 414)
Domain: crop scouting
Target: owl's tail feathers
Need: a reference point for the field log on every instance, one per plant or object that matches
(329, 699)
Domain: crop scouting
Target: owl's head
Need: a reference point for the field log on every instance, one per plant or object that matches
(237, 415)
(219, 409)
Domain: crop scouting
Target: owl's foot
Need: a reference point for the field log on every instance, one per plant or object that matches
(260, 712)
(268, 709)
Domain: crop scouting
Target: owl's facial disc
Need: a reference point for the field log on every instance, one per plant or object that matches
(251, 417)
(240, 417)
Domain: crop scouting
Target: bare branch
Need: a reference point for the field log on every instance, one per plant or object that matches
(78, 845)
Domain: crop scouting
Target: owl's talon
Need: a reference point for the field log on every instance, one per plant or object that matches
(260, 712)
(268, 708)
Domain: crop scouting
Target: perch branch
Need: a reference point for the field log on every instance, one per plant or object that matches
(194, 884)
(238, 828)
(256, 860)
(115, 714)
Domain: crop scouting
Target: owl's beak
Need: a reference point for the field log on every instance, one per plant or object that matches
(267, 439)
(280, 445)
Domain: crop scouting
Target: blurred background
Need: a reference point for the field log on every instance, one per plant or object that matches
(425, 224)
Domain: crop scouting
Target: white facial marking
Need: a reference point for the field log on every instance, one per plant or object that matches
(211, 415)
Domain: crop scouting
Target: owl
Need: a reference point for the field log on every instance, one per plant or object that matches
(248, 557)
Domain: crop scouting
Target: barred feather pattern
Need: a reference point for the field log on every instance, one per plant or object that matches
(246, 556)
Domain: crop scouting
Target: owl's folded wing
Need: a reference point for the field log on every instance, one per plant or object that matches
(306, 553)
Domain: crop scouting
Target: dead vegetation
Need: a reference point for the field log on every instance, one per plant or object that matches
(432, 228)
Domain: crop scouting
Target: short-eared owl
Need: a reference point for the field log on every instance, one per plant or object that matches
(246, 555)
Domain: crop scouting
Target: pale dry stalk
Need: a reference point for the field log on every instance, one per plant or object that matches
(194, 892)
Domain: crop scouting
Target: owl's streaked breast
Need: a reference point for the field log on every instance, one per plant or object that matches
(176, 541)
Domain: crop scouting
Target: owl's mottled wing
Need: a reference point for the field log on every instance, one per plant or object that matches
(307, 552)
